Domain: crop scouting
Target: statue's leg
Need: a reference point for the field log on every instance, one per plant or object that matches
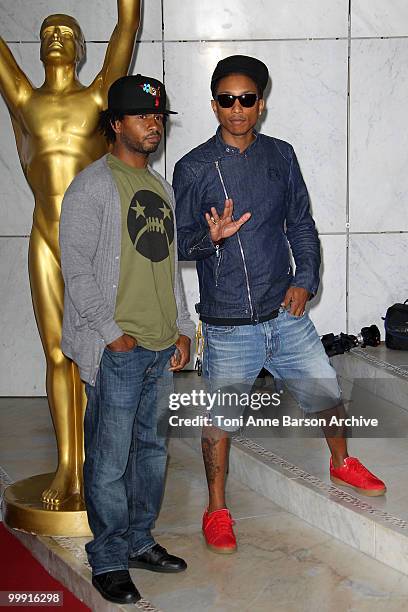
(66, 397)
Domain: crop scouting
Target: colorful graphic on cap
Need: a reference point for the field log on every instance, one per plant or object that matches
(153, 91)
(150, 225)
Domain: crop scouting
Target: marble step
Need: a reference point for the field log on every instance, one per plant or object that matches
(281, 560)
(64, 558)
(344, 516)
(284, 471)
(379, 370)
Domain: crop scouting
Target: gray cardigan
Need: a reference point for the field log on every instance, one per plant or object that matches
(90, 242)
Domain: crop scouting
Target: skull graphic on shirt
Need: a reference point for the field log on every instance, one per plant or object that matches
(150, 225)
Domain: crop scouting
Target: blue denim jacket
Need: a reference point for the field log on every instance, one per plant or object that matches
(248, 275)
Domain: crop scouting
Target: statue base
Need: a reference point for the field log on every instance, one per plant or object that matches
(24, 510)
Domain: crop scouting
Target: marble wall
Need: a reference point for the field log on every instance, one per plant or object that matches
(339, 88)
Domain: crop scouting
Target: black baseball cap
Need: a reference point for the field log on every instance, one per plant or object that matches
(241, 64)
(138, 95)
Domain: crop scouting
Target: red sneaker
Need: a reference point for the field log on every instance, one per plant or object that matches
(218, 533)
(353, 474)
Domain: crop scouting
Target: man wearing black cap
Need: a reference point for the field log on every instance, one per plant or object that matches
(241, 201)
(127, 327)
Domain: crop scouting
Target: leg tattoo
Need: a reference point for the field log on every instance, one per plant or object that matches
(212, 469)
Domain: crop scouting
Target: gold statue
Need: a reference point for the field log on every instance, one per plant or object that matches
(55, 127)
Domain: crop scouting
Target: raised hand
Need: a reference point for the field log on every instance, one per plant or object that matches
(224, 226)
(120, 48)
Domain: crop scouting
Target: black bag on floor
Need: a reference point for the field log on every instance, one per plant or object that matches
(396, 327)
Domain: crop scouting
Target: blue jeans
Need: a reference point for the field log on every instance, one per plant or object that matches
(125, 455)
(287, 346)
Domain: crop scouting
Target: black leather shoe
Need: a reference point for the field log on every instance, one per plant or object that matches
(157, 559)
(116, 586)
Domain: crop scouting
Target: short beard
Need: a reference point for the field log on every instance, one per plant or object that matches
(139, 147)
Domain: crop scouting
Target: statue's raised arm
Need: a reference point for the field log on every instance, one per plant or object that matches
(15, 87)
(120, 48)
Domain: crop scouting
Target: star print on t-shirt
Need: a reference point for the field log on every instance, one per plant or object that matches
(150, 225)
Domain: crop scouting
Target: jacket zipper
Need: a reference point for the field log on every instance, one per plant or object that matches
(218, 255)
(217, 165)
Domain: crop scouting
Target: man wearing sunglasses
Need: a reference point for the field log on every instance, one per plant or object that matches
(241, 201)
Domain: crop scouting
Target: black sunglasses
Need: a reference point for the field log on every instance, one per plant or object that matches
(247, 100)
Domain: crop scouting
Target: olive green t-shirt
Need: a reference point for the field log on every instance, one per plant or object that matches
(145, 303)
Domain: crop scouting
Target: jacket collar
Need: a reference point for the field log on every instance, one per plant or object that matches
(228, 150)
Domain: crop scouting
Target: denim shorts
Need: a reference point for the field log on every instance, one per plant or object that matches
(287, 346)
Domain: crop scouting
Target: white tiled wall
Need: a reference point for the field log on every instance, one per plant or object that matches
(359, 200)
(259, 19)
(379, 17)
(328, 309)
(379, 135)
(379, 276)
(22, 370)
